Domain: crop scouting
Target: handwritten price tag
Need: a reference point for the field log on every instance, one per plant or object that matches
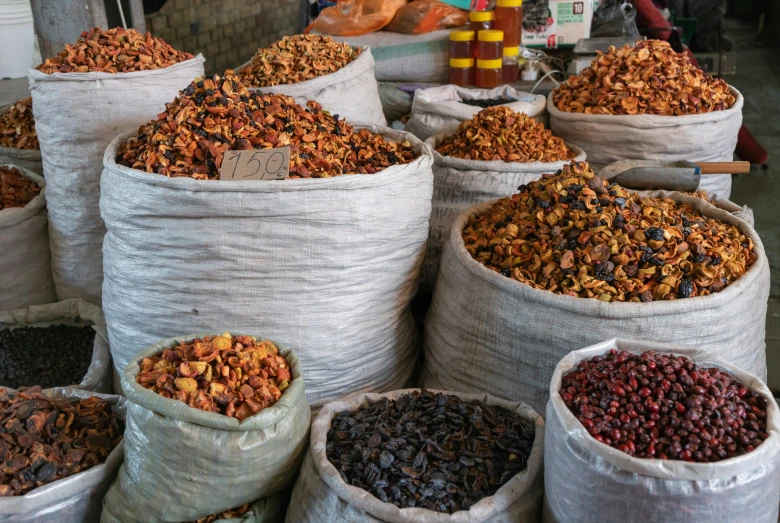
(256, 164)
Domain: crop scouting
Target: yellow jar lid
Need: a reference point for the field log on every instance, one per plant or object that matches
(482, 16)
(491, 35)
(461, 63)
(509, 3)
(511, 51)
(461, 36)
(498, 63)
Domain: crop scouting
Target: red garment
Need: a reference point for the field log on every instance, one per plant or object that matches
(649, 17)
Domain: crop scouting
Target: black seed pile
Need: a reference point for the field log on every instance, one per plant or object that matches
(490, 102)
(430, 451)
(54, 356)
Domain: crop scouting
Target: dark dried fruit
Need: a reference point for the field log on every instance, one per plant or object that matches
(490, 102)
(435, 451)
(16, 190)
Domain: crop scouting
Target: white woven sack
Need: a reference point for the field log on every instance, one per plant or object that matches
(266, 510)
(590, 482)
(321, 495)
(328, 266)
(76, 117)
(184, 463)
(459, 184)
(76, 498)
(351, 92)
(71, 312)
(27, 158)
(708, 137)
(440, 109)
(407, 58)
(485, 331)
(25, 264)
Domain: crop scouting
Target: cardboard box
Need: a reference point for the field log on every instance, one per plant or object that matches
(558, 24)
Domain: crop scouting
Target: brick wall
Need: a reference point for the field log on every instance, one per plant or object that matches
(226, 32)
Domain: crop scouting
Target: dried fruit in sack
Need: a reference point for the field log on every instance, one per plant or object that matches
(53, 356)
(665, 406)
(296, 59)
(430, 450)
(216, 114)
(45, 439)
(17, 126)
(650, 78)
(498, 133)
(16, 190)
(225, 514)
(235, 376)
(115, 50)
(573, 233)
(490, 102)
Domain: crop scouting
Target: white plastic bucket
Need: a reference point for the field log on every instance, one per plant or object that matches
(17, 38)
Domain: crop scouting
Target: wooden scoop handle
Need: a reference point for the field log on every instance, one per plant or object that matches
(724, 167)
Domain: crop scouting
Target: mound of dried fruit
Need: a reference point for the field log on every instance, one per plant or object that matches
(650, 78)
(217, 114)
(296, 59)
(45, 439)
(16, 190)
(665, 406)
(235, 376)
(17, 126)
(573, 233)
(115, 50)
(225, 514)
(498, 133)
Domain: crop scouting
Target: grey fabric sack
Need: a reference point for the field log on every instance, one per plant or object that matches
(76, 117)
(76, 498)
(28, 158)
(185, 463)
(266, 510)
(459, 184)
(707, 137)
(440, 109)
(580, 473)
(71, 312)
(25, 263)
(351, 92)
(321, 495)
(485, 331)
(328, 266)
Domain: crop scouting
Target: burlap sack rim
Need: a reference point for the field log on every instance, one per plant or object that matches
(449, 107)
(658, 468)
(182, 412)
(347, 182)
(16, 215)
(365, 501)
(501, 166)
(597, 308)
(642, 121)
(36, 75)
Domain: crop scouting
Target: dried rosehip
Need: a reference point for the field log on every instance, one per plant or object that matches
(16, 190)
(17, 126)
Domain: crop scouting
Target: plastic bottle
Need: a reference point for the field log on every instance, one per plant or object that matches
(489, 73)
(462, 71)
(490, 45)
(509, 18)
(462, 44)
(510, 66)
(480, 21)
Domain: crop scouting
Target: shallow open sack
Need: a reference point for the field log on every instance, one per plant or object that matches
(328, 266)
(25, 262)
(440, 109)
(590, 482)
(707, 137)
(184, 463)
(487, 332)
(76, 498)
(321, 495)
(459, 184)
(76, 117)
(28, 158)
(71, 312)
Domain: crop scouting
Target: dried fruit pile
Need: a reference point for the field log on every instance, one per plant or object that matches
(53, 356)
(115, 50)
(216, 114)
(235, 376)
(650, 78)
(498, 133)
(17, 126)
(296, 59)
(16, 190)
(45, 439)
(429, 450)
(573, 233)
(225, 514)
(665, 406)
(490, 102)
